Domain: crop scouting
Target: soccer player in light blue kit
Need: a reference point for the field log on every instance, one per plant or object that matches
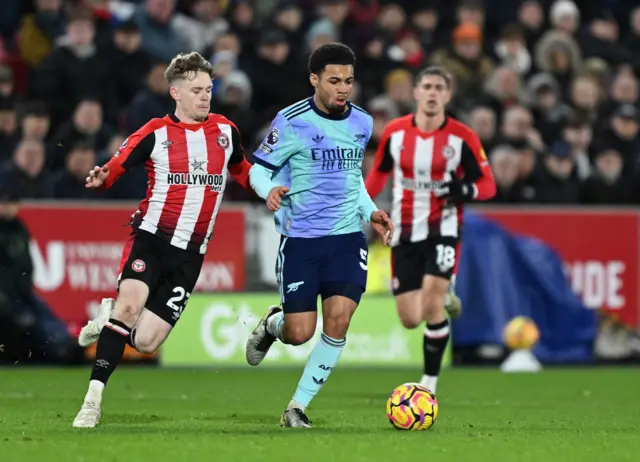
(309, 170)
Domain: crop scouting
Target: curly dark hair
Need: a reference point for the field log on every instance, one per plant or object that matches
(331, 53)
(186, 66)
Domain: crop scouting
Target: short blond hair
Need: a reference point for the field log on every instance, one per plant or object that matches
(186, 66)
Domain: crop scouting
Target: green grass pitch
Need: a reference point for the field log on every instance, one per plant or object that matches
(232, 415)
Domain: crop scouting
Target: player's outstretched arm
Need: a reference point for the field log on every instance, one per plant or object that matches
(135, 150)
(260, 180)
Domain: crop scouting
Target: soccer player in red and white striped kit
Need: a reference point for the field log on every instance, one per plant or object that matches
(187, 155)
(437, 164)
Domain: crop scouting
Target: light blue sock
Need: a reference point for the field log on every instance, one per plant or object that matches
(321, 362)
(274, 325)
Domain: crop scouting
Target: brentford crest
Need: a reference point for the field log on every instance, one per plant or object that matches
(223, 141)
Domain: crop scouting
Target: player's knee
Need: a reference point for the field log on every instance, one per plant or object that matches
(410, 309)
(127, 311)
(298, 334)
(130, 302)
(411, 321)
(336, 326)
(147, 347)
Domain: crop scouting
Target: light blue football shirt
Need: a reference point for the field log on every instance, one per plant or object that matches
(319, 157)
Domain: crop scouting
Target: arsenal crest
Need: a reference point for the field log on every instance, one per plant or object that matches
(223, 141)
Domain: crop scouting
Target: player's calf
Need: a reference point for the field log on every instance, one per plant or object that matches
(410, 309)
(149, 333)
(436, 334)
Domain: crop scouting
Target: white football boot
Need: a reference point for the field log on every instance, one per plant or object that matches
(260, 340)
(91, 331)
(295, 418)
(90, 412)
(453, 304)
(89, 415)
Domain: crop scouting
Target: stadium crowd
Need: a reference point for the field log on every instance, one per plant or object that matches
(551, 87)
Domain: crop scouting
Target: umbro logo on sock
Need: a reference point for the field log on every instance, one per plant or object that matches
(102, 363)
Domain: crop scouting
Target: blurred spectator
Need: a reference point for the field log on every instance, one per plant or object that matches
(129, 63)
(511, 50)
(152, 101)
(505, 164)
(577, 133)
(35, 122)
(470, 11)
(585, 97)
(399, 89)
(243, 25)
(503, 89)
(38, 31)
(482, 120)
(466, 62)
(8, 123)
(622, 134)
(87, 125)
(547, 107)
(565, 17)
(555, 182)
(267, 69)
(233, 98)
(632, 41)
(69, 182)
(200, 30)
(23, 173)
(531, 18)
(605, 185)
(425, 20)
(74, 71)
(25, 321)
(159, 35)
(559, 55)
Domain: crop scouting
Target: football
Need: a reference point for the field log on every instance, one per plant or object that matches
(412, 407)
(521, 333)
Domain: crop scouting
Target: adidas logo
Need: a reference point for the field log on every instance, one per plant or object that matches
(317, 138)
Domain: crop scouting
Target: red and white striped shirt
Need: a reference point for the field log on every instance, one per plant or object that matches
(420, 162)
(187, 166)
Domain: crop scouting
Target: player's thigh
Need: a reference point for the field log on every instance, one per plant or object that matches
(439, 268)
(151, 332)
(407, 272)
(181, 272)
(408, 267)
(442, 255)
(297, 271)
(343, 271)
(140, 272)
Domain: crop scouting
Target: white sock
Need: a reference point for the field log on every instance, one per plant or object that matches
(429, 381)
(274, 325)
(95, 391)
(292, 404)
